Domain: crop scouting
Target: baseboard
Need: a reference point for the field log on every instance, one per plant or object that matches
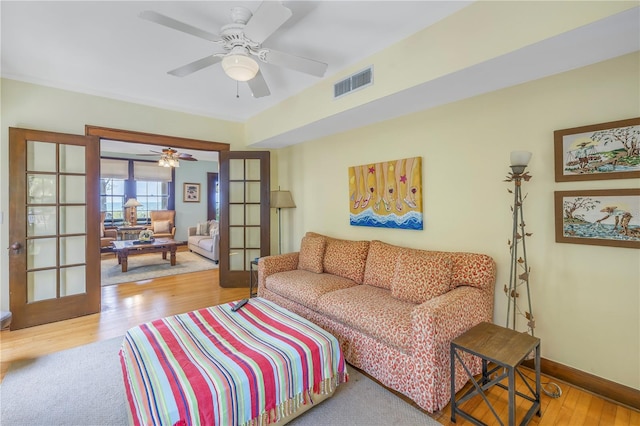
(602, 387)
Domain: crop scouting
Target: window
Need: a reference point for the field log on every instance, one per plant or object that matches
(122, 179)
(152, 195)
(112, 199)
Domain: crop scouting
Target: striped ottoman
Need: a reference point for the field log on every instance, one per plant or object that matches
(260, 364)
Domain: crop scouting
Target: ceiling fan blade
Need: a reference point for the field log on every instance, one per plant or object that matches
(268, 18)
(298, 63)
(158, 18)
(195, 66)
(258, 86)
(186, 157)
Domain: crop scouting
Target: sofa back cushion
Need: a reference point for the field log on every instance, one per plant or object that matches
(344, 258)
(311, 254)
(214, 228)
(381, 264)
(421, 275)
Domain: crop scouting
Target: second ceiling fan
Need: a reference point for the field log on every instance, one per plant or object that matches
(242, 41)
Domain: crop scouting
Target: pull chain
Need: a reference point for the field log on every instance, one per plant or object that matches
(237, 90)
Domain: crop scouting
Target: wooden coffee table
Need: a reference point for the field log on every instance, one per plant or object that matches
(124, 249)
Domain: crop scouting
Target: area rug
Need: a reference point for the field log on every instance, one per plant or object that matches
(152, 265)
(83, 386)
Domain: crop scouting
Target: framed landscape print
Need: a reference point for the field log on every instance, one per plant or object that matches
(599, 151)
(606, 217)
(191, 193)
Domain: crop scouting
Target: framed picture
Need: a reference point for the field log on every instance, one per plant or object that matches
(387, 194)
(191, 193)
(599, 151)
(605, 217)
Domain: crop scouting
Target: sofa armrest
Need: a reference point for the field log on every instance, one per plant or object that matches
(191, 231)
(270, 265)
(445, 317)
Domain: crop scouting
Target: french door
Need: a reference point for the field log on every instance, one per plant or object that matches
(54, 252)
(244, 214)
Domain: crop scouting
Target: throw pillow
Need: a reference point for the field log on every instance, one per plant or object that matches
(421, 276)
(161, 227)
(311, 254)
(202, 228)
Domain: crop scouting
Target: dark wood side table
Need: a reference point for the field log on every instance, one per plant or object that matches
(253, 278)
(507, 349)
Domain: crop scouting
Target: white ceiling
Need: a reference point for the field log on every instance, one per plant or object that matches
(103, 48)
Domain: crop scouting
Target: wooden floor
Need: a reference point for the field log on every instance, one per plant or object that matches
(127, 305)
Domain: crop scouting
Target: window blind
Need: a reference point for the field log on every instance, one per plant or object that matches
(151, 172)
(114, 169)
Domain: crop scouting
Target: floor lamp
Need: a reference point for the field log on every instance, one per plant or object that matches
(280, 200)
(519, 272)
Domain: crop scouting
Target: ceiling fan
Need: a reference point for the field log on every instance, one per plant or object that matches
(242, 41)
(169, 157)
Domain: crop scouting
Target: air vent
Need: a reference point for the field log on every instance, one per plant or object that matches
(358, 80)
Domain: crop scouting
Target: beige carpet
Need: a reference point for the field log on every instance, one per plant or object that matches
(84, 386)
(147, 266)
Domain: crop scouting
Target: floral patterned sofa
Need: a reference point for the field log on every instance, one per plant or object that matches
(394, 310)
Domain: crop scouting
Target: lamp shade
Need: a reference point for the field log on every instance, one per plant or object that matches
(281, 200)
(240, 67)
(132, 202)
(520, 158)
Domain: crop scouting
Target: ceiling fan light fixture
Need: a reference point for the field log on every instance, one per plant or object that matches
(168, 161)
(240, 67)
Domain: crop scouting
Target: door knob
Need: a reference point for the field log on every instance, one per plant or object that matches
(16, 247)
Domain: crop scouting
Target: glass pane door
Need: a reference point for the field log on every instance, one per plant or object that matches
(54, 253)
(244, 218)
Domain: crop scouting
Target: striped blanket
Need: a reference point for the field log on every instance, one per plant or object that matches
(214, 366)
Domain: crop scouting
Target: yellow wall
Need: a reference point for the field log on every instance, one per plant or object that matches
(586, 298)
(42, 108)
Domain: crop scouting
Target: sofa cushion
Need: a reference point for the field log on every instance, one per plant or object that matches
(161, 227)
(373, 311)
(311, 254)
(381, 264)
(305, 287)
(345, 258)
(421, 275)
(206, 244)
(203, 241)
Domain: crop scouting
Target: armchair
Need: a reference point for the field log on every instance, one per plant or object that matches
(163, 223)
(106, 235)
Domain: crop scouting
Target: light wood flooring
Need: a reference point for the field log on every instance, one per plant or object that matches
(127, 305)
